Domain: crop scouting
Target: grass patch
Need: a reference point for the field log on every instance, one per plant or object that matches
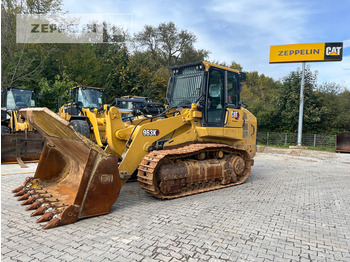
(318, 148)
(322, 148)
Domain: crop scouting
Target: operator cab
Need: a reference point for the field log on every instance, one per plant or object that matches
(86, 96)
(214, 88)
(15, 98)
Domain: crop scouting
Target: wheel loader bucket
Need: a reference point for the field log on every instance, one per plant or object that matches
(21, 146)
(74, 179)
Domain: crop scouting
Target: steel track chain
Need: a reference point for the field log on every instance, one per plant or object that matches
(151, 162)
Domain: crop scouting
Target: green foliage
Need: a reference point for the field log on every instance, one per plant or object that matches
(51, 93)
(287, 104)
(22, 64)
(260, 94)
(336, 107)
(169, 46)
(276, 103)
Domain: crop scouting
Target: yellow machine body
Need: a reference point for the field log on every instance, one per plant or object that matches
(84, 112)
(203, 140)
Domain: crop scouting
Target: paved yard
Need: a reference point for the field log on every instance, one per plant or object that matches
(292, 208)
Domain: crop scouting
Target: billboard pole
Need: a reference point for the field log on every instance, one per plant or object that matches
(301, 106)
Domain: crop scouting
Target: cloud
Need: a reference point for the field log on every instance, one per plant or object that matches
(242, 30)
(346, 43)
(277, 19)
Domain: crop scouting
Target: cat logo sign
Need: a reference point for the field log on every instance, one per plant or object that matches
(316, 52)
(333, 51)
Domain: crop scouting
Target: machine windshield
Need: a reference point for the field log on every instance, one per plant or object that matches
(185, 86)
(88, 97)
(19, 98)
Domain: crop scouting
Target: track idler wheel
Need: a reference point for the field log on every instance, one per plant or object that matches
(238, 164)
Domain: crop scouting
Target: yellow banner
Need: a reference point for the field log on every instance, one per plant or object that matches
(297, 53)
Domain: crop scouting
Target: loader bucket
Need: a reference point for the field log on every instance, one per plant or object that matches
(342, 142)
(74, 179)
(21, 146)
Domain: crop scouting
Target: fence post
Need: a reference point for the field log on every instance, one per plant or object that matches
(314, 140)
(267, 138)
(286, 140)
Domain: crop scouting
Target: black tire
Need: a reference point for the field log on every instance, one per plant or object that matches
(5, 130)
(82, 127)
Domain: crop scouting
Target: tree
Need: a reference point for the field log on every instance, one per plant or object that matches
(22, 63)
(260, 93)
(50, 93)
(287, 104)
(169, 46)
(335, 107)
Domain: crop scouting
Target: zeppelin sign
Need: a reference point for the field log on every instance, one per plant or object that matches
(316, 52)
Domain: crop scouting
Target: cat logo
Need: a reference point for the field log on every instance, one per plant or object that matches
(333, 51)
(235, 115)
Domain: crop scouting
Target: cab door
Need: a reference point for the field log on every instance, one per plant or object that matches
(215, 102)
(233, 117)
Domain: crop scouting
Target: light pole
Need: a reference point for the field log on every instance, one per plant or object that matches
(301, 105)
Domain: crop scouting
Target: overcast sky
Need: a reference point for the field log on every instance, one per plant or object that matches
(244, 30)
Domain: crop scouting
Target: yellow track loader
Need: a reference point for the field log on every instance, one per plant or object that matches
(202, 140)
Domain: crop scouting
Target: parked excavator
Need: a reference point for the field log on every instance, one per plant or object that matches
(203, 140)
(19, 141)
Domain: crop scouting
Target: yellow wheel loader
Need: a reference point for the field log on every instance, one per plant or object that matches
(84, 112)
(203, 140)
(19, 141)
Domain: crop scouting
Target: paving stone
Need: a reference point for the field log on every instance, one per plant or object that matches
(287, 210)
(163, 258)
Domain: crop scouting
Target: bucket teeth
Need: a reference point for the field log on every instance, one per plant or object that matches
(24, 197)
(35, 205)
(27, 180)
(55, 222)
(17, 189)
(21, 192)
(29, 201)
(82, 179)
(46, 217)
(40, 211)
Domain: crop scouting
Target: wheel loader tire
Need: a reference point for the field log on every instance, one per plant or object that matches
(82, 127)
(5, 130)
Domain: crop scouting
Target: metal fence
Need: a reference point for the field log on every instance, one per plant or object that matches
(284, 139)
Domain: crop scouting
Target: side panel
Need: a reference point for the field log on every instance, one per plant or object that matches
(249, 132)
(143, 137)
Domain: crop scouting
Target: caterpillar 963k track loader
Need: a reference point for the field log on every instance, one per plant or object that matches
(204, 140)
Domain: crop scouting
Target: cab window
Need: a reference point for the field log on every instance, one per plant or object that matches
(232, 99)
(215, 107)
